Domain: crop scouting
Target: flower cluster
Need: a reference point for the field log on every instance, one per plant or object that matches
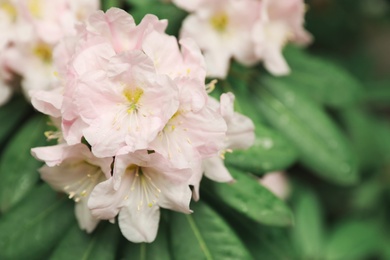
(29, 31)
(137, 127)
(246, 30)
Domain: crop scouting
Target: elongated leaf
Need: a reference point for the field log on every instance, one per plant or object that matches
(11, 115)
(204, 235)
(18, 169)
(163, 10)
(107, 4)
(373, 149)
(323, 80)
(270, 151)
(247, 196)
(378, 93)
(35, 225)
(308, 229)
(159, 249)
(353, 240)
(77, 244)
(322, 147)
(268, 243)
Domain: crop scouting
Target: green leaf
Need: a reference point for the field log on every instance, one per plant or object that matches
(163, 10)
(360, 129)
(325, 81)
(268, 243)
(372, 149)
(107, 4)
(308, 230)
(247, 196)
(353, 240)
(158, 249)
(11, 115)
(204, 235)
(270, 151)
(35, 225)
(322, 146)
(378, 93)
(77, 244)
(18, 169)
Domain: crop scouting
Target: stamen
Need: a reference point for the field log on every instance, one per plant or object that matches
(144, 188)
(211, 86)
(220, 21)
(81, 188)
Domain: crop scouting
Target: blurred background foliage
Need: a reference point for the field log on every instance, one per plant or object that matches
(327, 125)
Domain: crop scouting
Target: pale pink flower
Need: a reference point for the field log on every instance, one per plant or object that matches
(137, 95)
(222, 29)
(142, 183)
(31, 30)
(75, 171)
(281, 21)
(126, 108)
(246, 30)
(277, 183)
(194, 132)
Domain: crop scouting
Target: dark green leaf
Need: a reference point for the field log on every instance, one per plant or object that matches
(378, 93)
(268, 243)
(77, 244)
(372, 149)
(18, 169)
(323, 148)
(159, 249)
(204, 235)
(270, 151)
(247, 196)
(35, 225)
(11, 115)
(107, 4)
(163, 10)
(323, 80)
(308, 230)
(353, 240)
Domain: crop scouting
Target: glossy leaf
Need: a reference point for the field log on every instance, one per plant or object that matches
(270, 151)
(11, 115)
(107, 4)
(353, 240)
(308, 229)
(369, 137)
(163, 10)
(323, 80)
(204, 235)
(247, 196)
(322, 146)
(268, 243)
(34, 226)
(159, 249)
(18, 169)
(77, 244)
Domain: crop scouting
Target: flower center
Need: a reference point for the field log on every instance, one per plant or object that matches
(219, 21)
(133, 95)
(44, 52)
(145, 190)
(9, 9)
(84, 186)
(34, 6)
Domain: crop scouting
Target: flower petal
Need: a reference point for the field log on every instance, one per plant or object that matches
(139, 225)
